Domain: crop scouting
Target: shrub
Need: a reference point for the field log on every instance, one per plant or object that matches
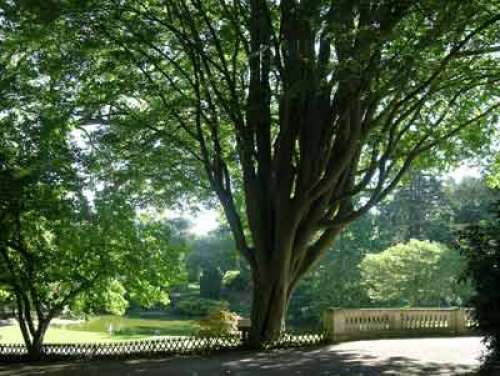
(196, 306)
(219, 322)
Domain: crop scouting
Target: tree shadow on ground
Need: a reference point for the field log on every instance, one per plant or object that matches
(318, 362)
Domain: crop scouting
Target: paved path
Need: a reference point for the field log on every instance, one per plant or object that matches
(423, 356)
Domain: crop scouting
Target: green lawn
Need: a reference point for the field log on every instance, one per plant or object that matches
(106, 329)
(12, 334)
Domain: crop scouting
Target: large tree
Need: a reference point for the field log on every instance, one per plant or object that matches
(56, 244)
(296, 106)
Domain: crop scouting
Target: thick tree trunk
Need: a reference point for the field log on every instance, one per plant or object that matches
(271, 294)
(33, 331)
(35, 348)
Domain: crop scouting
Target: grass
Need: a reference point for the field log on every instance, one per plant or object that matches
(12, 334)
(106, 329)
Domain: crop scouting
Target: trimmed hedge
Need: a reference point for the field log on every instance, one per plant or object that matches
(196, 306)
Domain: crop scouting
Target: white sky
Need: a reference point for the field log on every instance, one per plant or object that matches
(204, 221)
(464, 171)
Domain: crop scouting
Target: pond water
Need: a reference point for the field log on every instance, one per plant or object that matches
(132, 326)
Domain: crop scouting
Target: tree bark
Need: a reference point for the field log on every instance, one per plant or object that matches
(35, 348)
(33, 331)
(269, 306)
(34, 340)
(275, 278)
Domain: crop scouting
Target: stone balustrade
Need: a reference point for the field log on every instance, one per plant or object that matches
(350, 324)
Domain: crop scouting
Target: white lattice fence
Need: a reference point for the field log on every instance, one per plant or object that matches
(153, 348)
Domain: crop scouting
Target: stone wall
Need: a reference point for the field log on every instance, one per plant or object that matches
(350, 324)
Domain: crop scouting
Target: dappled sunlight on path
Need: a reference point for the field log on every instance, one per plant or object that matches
(423, 356)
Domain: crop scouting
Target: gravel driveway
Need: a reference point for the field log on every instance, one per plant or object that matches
(423, 356)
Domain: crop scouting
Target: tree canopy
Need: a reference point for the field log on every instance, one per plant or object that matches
(302, 115)
(61, 240)
(417, 273)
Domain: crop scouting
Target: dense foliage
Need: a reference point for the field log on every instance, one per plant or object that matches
(64, 243)
(480, 243)
(415, 274)
(198, 306)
